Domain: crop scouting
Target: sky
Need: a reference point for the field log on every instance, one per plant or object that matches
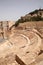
(14, 9)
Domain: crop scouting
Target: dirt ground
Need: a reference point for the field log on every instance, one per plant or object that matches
(22, 47)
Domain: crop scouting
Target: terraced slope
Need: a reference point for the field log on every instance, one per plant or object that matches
(23, 46)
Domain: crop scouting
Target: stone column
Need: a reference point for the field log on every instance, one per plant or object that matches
(6, 29)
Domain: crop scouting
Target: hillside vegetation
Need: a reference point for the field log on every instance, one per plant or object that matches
(36, 15)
